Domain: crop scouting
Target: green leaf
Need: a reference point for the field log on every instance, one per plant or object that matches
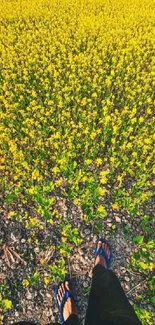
(47, 215)
(148, 230)
(145, 220)
(10, 197)
(138, 240)
(136, 256)
(150, 244)
(153, 300)
(98, 225)
(143, 265)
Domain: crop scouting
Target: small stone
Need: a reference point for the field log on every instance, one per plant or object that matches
(127, 278)
(13, 237)
(118, 219)
(127, 287)
(85, 284)
(109, 224)
(23, 240)
(29, 296)
(90, 274)
(16, 314)
(94, 238)
(87, 231)
(76, 267)
(80, 251)
(49, 312)
(36, 249)
(82, 260)
(48, 295)
(55, 310)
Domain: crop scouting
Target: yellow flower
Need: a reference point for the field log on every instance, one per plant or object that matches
(101, 190)
(101, 211)
(103, 177)
(33, 222)
(151, 266)
(104, 173)
(76, 201)
(98, 161)
(115, 206)
(63, 239)
(46, 280)
(94, 95)
(7, 304)
(35, 174)
(59, 182)
(12, 213)
(31, 190)
(55, 170)
(88, 161)
(25, 283)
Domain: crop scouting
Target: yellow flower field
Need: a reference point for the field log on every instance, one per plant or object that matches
(77, 112)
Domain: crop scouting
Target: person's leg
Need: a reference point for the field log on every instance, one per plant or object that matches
(69, 310)
(107, 299)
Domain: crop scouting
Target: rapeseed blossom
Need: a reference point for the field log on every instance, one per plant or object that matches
(76, 93)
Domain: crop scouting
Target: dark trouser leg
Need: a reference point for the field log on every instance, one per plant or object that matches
(107, 301)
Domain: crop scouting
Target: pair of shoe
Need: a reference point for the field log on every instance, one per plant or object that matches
(66, 292)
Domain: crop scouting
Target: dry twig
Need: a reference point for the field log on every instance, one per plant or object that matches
(45, 257)
(11, 257)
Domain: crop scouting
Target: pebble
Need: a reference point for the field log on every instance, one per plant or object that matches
(94, 238)
(87, 231)
(118, 219)
(82, 260)
(28, 296)
(23, 240)
(127, 278)
(80, 251)
(127, 287)
(90, 274)
(49, 312)
(16, 314)
(76, 267)
(85, 284)
(117, 248)
(36, 249)
(48, 295)
(109, 224)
